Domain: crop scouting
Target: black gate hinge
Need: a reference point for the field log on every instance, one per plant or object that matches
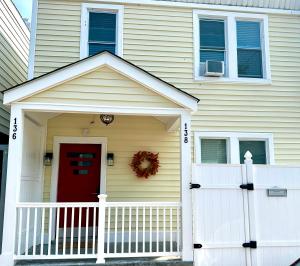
(196, 246)
(251, 244)
(248, 186)
(194, 185)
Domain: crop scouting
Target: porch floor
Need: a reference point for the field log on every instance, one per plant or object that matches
(159, 261)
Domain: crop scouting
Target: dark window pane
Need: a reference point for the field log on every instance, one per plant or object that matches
(102, 27)
(96, 48)
(80, 155)
(81, 163)
(249, 63)
(212, 34)
(248, 34)
(213, 151)
(211, 55)
(80, 172)
(257, 148)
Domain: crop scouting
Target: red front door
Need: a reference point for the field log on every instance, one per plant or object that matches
(79, 174)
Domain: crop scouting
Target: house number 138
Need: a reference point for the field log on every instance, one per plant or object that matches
(15, 129)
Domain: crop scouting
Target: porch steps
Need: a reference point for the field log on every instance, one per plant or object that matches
(110, 262)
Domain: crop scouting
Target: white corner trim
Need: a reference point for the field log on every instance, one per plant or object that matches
(88, 65)
(85, 9)
(230, 19)
(233, 144)
(79, 140)
(32, 39)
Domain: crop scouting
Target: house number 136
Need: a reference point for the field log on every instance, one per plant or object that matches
(186, 134)
(15, 129)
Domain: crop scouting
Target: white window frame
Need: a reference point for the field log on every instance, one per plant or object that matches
(86, 8)
(230, 19)
(232, 144)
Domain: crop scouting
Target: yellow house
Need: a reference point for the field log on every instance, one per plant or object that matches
(105, 133)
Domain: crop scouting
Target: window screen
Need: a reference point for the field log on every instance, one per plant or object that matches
(257, 148)
(102, 32)
(212, 42)
(213, 151)
(249, 49)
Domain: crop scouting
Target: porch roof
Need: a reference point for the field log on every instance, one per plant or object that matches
(87, 65)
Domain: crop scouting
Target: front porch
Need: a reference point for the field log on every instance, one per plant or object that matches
(53, 213)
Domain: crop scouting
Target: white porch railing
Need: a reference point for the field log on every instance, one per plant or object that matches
(70, 230)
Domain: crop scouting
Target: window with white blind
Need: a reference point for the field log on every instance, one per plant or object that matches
(230, 147)
(101, 29)
(240, 40)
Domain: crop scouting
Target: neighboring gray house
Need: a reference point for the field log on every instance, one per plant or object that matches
(14, 50)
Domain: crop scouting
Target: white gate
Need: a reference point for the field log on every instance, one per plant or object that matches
(227, 217)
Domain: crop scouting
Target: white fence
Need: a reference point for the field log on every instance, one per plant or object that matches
(226, 216)
(98, 230)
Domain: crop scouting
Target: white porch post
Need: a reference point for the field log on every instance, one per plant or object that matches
(101, 228)
(186, 197)
(14, 169)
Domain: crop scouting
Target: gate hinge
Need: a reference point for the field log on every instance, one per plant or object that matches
(194, 185)
(196, 246)
(251, 244)
(248, 186)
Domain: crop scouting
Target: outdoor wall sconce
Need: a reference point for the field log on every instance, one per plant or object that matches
(48, 159)
(107, 119)
(110, 159)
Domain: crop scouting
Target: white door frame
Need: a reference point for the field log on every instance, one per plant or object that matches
(77, 140)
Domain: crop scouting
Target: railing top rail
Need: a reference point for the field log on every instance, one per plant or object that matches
(95, 204)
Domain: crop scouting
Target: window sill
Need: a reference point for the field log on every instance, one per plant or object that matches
(222, 80)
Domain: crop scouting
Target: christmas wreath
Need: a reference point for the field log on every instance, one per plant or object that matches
(145, 163)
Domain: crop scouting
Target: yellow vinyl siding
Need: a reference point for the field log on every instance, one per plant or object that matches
(125, 136)
(104, 87)
(160, 40)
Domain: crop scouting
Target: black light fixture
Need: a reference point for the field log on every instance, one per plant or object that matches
(110, 159)
(48, 158)
(107, 119)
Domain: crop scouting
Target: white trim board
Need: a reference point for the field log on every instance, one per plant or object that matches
(88, 7)
(79, 140)
(87, 65)
(233, 138)
(32, 44)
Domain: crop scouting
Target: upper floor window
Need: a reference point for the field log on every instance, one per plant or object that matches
(101, 29)
(231, 47)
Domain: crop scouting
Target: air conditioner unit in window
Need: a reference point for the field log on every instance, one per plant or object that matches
(214, 68)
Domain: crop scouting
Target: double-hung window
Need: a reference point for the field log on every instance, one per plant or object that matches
(238, 40)
(101, 29)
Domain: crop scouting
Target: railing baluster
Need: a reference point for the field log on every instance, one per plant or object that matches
(65, 230)
(150, 229)
(144, 227)
(27, 231)
(42, 233)
(129, 231)
(123, 218)
(72, 231)
(20, 230)
(94, 230)
(178, 233)
(87, 229)
(79, 231)
(164, 223)
(34, 231)
(171, 229)
(108, 231)
(157, 229)
(57, 229)
(116, 229)
(50, 231)
(137, 230)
